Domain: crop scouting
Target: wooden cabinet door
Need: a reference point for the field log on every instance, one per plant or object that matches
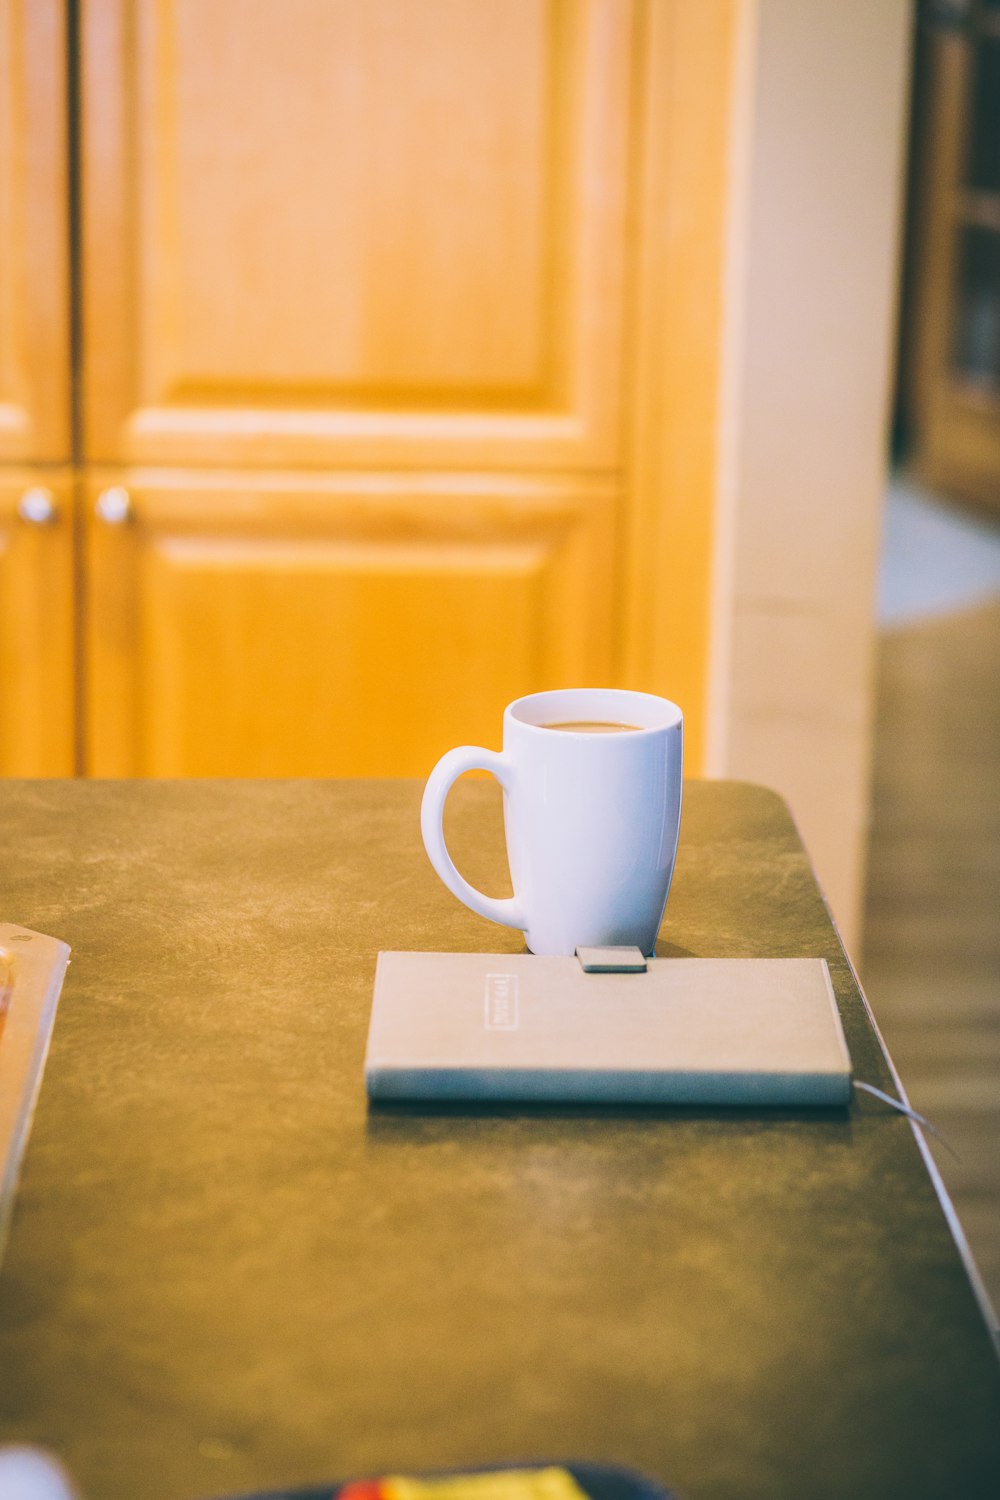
(34, 243)
(279, 625)
(37, 728)
(355, 232)
(401, 329)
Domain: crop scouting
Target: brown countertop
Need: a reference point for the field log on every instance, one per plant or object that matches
(226, 1272)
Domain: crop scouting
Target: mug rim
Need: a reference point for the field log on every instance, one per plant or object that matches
(661, 713)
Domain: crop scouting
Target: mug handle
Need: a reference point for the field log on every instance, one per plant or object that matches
(439, 783)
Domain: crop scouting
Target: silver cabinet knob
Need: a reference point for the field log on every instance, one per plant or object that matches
(114, 506)
(38, 507)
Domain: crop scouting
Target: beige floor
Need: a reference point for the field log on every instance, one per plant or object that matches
(931, 952)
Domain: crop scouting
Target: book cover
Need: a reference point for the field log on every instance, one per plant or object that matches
(727, 1031)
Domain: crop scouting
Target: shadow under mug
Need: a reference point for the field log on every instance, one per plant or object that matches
(591, 818)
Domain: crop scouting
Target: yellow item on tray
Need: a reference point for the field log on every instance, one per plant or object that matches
(498, 1484)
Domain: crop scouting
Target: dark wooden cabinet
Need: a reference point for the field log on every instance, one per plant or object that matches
(951, 313)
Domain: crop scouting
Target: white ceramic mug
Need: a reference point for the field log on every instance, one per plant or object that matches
(591, 818)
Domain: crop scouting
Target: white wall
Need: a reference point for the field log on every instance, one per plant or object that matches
(818, 161)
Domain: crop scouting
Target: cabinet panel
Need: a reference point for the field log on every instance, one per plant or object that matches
(34, 246)
(355, 231)
(276, 625)
(950, 364)
(37, 730)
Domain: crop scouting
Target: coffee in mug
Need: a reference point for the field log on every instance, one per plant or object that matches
(591, 726)
(591, 816)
